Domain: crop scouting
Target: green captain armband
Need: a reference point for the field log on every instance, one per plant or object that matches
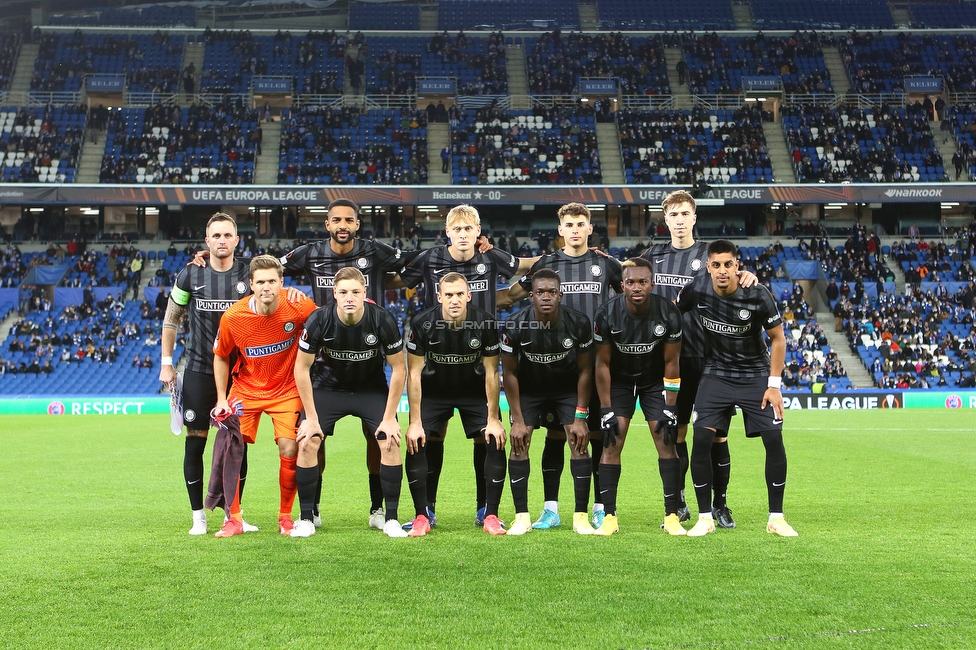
(180, 297)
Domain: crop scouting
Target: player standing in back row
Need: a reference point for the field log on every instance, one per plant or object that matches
(739, 371)
(587, 280)
(676, 263)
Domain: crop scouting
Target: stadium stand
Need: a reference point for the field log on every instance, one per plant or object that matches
(9, 47)
(394, 63)
(323, 145)
(822, 14)
(950, 15)
(166, 144)
(529, 147)
(555, 63)
(392, 16)
(147, 16)
(507, 14)
(695, 15)
(41, 145)
(149, 63)
(668, 146)
(963, 127)
(885, 143)
(880, 63)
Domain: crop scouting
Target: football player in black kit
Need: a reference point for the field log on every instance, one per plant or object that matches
(587, 279)
(676, 263)
(739, 371)
(547, 361)
(463, 227)
(339, 371)
(453, 363)
(638, 347)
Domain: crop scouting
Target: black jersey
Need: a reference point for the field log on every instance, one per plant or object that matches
(481, 271)
(453, 355)
(547, 355)
(673, 269)
(207, 294)
(350, 357)
(585, 281)
(733, 327)
(320, 263)
(637, 341)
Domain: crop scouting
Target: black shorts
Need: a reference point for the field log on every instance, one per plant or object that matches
(719, 397)
(199, 398)
(436, 411)
(333, 405)
(549, 411)
(623, 398)
(691, 374)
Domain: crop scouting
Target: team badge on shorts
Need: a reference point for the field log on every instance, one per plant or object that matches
(370, 339)
(481, 269)
(596, 271)
(696, 265)
(362, 263)
(241, 288)
(744, 314)
(475, 343)
(659, 330)
(289, 326)
(567, 343)
(190, 415)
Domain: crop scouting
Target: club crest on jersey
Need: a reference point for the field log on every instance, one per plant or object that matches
(190, 415)
(744, 314)
(659, 330)
(474, 343)
(289, 326)
(241, 288)
(362, 263)
(567, 343)
(428, 325)
(481, 268)
(696, 265)
(596, 271)
(370, 339)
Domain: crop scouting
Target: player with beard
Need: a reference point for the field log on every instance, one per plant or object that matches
(548, 366)
(676, 263)
(587, 279)
(739, 371)
(638, 348)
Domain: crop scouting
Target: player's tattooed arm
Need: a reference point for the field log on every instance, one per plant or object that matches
(171, 323)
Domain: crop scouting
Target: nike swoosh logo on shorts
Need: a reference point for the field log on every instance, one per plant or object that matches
(516, 480)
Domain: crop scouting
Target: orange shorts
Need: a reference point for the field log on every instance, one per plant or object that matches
(286, 415)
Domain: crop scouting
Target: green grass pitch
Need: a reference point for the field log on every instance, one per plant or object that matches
(95, 552)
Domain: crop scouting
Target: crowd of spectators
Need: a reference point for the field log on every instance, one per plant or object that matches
(679, 147)
(166, 144)
(340, 146)
(42, 144)
(486, 67)
(558, 146)
(883, 144)
(555, 62)
(878, 63)
(9, 48)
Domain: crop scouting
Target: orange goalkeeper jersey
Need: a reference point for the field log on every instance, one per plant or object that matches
(265, 346)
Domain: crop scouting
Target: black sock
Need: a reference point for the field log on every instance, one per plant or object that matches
(391, 477)
(193, 449)
(553, 460)
(721, 469)
(416, 470)
(306, 478)
(701, 469)
(670, 469)
(596, 452)
(494, 471)
(240, 485)
(478, 456)
(681, 448)
(609, 478)
(581, 469)
(518, 477)
(775, 468)
(318, 492)
(434, 450)
(375, 492)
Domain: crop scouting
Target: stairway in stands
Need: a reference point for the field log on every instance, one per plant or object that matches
(266, 165)
(518, 85)
(90, 161)
(23, 72)
(192, 53)
(779, 153)
(856, 371)
(438, 137)
(681, 93)
(611, 161)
